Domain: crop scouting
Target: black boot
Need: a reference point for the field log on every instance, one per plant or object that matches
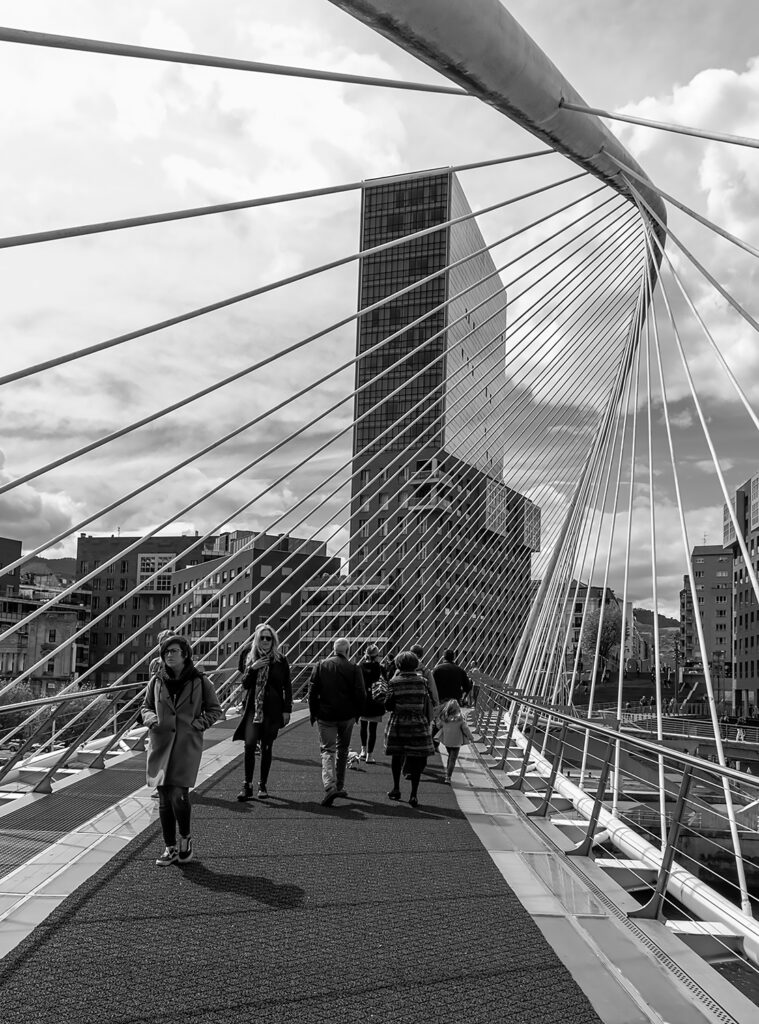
(246, 793)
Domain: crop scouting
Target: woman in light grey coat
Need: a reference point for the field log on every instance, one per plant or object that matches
(180, 704)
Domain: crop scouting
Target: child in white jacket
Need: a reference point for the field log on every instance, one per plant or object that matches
(453, 733)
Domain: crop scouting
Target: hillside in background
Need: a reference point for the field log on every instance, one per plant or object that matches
(42, 566)
(645, 617)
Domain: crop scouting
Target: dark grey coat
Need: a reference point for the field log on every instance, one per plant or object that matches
(175, 739)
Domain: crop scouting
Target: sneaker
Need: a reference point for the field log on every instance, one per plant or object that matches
(413, 801)
(446, 781)
(246, 793)
(370, 759)
(341, 792)
(329, 797)
(362, 755)
(169, 856)
(185, 849)
(394, 794)
(263, 793)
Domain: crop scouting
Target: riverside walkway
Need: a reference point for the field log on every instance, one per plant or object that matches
(458, 910)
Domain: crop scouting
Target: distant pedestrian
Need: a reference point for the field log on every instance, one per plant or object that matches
(453, 734)
(451, 680)
(156, 663)
(268, 705)
(180, 704)
(375, 683)
(418, 650)
(336, 697)
(389, 666)
(408, 740)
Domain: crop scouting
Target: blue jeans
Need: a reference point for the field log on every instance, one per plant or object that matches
(335, 741)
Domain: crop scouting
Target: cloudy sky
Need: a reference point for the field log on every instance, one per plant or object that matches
(90, 138)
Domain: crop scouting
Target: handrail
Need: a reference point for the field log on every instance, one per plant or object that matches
(606, 733)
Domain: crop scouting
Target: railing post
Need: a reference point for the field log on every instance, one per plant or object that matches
(527, 751)
(45, 785)
(98, 760)
(498, 720)
(585, 848)
(652, 910)
(485, 728)
(542, 809)
(512, 723)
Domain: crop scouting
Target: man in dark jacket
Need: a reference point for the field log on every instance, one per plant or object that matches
(336, 697)
(451, 680)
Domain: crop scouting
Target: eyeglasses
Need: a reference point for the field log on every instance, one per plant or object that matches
(172, 650)
(267, 639)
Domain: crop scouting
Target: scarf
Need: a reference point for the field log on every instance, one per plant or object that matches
(175, 684)
(262, 678)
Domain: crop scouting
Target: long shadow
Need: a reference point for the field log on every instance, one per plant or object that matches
(342, 808)
(254, 887)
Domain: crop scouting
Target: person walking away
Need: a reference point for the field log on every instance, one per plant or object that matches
(375, 681)
(336, 697)
(268, 705)
(180, 704)
(453, 734)
(418, 650)
(451, 680)
(408, 740)
(156, 663)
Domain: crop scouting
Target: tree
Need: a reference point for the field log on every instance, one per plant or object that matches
(611, 634)
(17, 694)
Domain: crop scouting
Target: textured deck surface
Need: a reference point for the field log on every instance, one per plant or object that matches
(366, 911)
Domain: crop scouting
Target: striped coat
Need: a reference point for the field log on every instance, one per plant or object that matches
(408, 728)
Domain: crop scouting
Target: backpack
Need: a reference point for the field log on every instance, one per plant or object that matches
(379, 690)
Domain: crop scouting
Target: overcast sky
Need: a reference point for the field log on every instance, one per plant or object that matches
(89, 138)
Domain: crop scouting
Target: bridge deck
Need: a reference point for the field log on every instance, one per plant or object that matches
(368, 910)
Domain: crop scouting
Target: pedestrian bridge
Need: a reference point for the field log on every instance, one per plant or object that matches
(463, 908)
(520, 416)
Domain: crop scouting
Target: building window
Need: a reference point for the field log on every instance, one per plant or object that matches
(51, 635)
(124, 567)
(150, 563)
(50, 667)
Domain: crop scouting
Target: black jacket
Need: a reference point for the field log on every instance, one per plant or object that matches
(278, 695)
(336, 691)
(451, 680)
(373, 670)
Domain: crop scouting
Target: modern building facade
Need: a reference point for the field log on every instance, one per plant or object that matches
(247, 579)
(36, 641)
(431, 516)
(712, 570)
(745, 617)
(128, 614)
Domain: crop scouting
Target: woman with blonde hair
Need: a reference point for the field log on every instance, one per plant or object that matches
(268, 704)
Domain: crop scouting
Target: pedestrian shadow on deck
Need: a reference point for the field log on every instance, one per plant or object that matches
(254, 887)
(349, 808)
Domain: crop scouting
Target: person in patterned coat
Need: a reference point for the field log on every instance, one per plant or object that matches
(407, 733)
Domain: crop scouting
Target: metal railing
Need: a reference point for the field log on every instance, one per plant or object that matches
(92, 733)
(675, 840)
